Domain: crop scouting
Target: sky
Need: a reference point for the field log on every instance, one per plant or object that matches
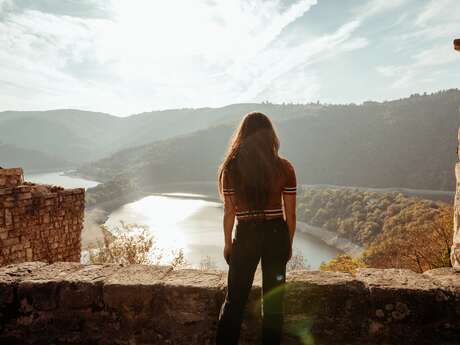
(130, 56)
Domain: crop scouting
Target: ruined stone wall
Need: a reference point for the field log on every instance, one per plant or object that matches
(71, 303)
(38, 222)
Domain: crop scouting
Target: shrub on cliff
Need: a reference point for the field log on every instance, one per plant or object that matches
(131, 244)
(343, 263)
(297, 262)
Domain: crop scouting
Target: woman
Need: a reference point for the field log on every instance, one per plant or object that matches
(258, 187)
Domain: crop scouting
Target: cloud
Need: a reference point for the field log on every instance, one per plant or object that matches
(80, 8)
(132, 56)
(374, 7)
(147, 55)
(429, 39)
(422, 65)
(290, 58)
(435, 9)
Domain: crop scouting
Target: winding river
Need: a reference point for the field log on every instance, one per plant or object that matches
(61, 179)
(184, 221)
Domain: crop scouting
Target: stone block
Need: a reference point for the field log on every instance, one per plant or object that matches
(400, 299)
(40, 288)
(10, 275)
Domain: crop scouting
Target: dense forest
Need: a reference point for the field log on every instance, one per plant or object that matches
(404, 143)
(397, 231)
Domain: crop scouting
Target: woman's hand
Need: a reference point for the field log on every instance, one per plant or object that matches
(227, 252)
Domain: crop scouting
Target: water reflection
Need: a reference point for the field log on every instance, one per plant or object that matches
(195, 225)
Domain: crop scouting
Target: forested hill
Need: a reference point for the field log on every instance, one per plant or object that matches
(396, 231)
(404, 143)
(80, 136)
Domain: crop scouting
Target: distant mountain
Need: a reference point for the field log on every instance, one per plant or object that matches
(83, 136)
(72, 135)
(404, 143)
(30, 160)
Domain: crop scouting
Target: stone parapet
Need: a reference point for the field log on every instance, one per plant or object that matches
(71, 303)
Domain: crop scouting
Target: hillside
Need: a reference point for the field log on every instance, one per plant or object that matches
(72, 135)
(404, 143)
(30, 160)
(397, 231)
(83, 136)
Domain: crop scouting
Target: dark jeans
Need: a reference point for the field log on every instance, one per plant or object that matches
(266, 240)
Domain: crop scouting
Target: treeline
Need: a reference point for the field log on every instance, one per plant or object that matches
(397, 231)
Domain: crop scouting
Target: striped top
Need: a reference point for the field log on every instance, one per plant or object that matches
(285, 184)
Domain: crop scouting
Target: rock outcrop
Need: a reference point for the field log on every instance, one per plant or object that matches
(71, 303)
(455, 250)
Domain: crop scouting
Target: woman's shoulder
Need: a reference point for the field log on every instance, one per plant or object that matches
(287, 164)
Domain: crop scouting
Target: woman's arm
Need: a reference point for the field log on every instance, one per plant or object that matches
(229, 221)
(289, 201)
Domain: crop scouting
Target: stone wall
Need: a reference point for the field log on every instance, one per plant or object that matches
(38, 222)
(70, 303)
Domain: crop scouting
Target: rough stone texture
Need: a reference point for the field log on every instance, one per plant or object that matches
(455, 250)
(71, 303)
(38, 222)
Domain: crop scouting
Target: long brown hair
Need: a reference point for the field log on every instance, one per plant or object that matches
(252, 161)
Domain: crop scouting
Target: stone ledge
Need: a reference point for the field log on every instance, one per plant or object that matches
(71, 303)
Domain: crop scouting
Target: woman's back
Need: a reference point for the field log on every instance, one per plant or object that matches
(283, 183)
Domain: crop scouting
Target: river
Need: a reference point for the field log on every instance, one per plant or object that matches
(60, 179)
(184, 221)
(190, 222)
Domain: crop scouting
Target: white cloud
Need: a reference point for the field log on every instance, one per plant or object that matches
(173, 53)
(153, 55)
(430, 37)
(437, 19)
(375, 7)
(289, 58)
(435, 9)
(421, 67)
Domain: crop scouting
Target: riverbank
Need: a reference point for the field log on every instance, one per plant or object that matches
(330, 238)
